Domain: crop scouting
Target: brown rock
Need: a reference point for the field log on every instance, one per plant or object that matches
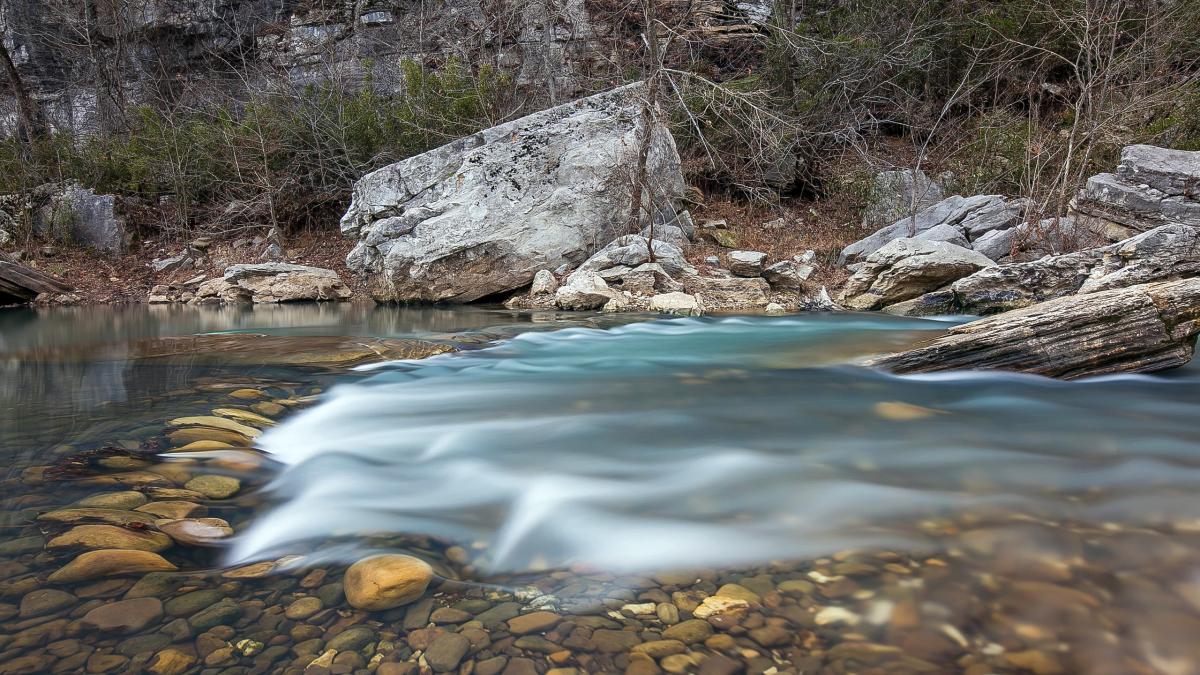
(109, 563)
(110, 536)
(124, 616)
(386, 581)
(534, 622)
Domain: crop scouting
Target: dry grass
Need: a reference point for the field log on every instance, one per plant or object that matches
(825, 227)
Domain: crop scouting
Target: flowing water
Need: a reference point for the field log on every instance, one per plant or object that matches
(625, 475)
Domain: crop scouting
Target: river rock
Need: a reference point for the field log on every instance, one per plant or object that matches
(84, 515)
(746, 263)
(676, 303)
(446, 651)
(173, 509)
(110, 536)
(109, 563)
(128, 499)
(385, 581)
(582, 291)
(544, 283)
(906, 268)
(481, 215)
(717, 294)
(45, 601)
(1143, 328)
(214, 486)
(196, 531)
(124, 616)
(215, 422)
(534, 622)
(788, 274)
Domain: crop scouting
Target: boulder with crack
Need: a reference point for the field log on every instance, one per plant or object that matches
(906, 268)
(481, 215)
(1137, 329)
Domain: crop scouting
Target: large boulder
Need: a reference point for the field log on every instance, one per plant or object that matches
(273, 283)
(906, 268)
(1138, 329)
(897, 194)
(77, 215)
(481, 215)
(954, 217)
(728, 294)
(1151, 187)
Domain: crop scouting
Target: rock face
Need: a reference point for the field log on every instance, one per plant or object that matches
(1152, 186)
(77, 215)
(272, 283)
(1166, 252)
(1139, 329)
(954, 219)
(906, 268)
(900, 193)
(480, 216)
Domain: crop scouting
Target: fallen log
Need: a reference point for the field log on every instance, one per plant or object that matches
(1137, 329)
(21, 284)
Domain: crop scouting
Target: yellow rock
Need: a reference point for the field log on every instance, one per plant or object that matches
(203, 446)
(128, 499)
(174, 509)
(110, 537)
(248, 394)
(188, 435)
(244, 416)
(171, 661)
(110, 563)
(267, 408)
(385, 581)
(899, 411)
(111, 516)
(214, 422)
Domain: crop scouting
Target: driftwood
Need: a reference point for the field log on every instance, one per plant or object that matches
(20, 284)
(1138, 329)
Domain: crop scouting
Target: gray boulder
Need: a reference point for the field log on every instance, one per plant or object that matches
(582, 291)
(483, 214)
(900, 193)
(1151, 187)
(77, 215)
(632, 250)
(906, 268)
(947, 233)
(952, 211)
(746, 263)
(544, 283)
(728, 293)
(788, 274)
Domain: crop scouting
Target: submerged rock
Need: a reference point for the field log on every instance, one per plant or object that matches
(108, 563)
(481, 215)
(386, 581)
(109, 537)
(1140, 329)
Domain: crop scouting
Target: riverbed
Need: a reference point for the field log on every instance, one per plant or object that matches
(587, 489)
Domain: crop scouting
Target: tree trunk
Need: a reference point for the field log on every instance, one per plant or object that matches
(649, 112)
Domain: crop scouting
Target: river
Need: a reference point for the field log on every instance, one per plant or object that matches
(615, 472)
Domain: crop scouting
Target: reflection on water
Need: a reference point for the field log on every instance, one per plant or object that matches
(624, 478)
